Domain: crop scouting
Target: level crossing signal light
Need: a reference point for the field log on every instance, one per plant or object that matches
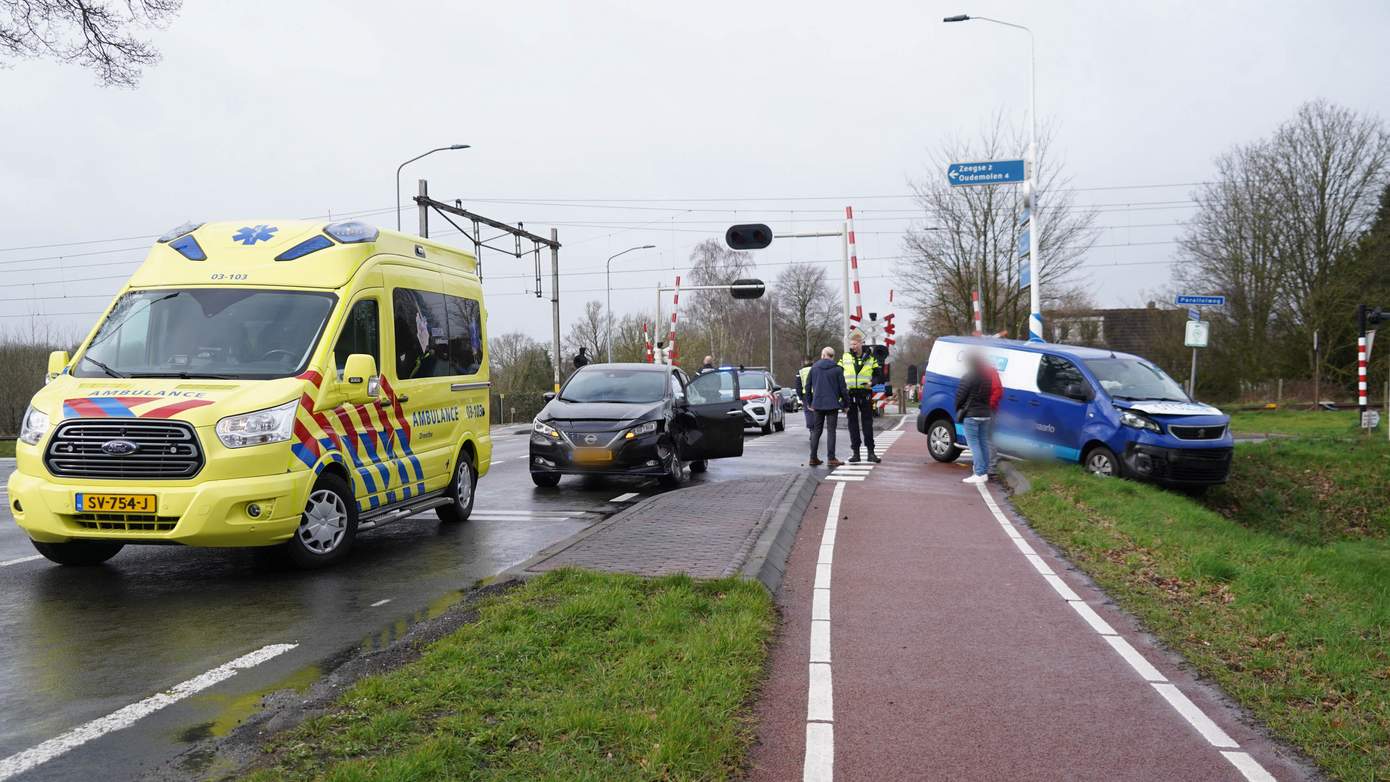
(747, 288)
(749, 236)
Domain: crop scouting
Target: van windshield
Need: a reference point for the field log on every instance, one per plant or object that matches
(1130, 379)
(231, 333)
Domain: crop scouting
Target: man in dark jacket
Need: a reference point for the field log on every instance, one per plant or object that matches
(974, 408)
(826, 395)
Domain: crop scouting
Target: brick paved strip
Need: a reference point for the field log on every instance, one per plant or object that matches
(705, 531)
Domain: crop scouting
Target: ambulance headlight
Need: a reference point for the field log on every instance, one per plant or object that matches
(1140, 422)
(32, 428)
(263, 426)
(174, 233)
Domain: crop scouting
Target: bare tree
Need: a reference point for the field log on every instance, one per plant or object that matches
(726, 327)
(588, 332)
(972, 233)
(808, 310)
(628, 344)
(518, 363)
(95, 34)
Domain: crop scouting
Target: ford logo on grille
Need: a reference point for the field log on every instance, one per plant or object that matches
(118, 447)
(590, 439)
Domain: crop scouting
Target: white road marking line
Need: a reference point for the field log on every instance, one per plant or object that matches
(833, 477)
(1099, 625)
(822, 576)
(531, 513)
(497, 461)
(1135, 659)
(820, 753)
(1248, 767)
(20, 560)
(1198, 719)
(1039, 565)
(820, 703)
(124, 717)
(1195, 716)
(820, 642)
(820, 605)
(827, 554)
(379, 603)
(625, 497)
(1023, 547)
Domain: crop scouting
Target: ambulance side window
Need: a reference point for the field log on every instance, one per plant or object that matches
(361, 334)
(422, 334)
(465, 335)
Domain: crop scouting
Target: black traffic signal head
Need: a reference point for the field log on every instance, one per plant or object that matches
(747, 289)
(750, 236)
(1377, 316)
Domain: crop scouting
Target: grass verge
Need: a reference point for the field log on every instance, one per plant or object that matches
(1294, 623)
(7, 448)
(575, 675)
(1305, 423)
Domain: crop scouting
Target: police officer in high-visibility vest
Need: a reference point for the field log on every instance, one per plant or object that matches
(859, 368)
(803, 391)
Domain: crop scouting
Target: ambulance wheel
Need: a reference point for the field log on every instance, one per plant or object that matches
(460, 491)
(941, 441)
(1101, 461)
(328, 526)
(79, 553)
(545, 480)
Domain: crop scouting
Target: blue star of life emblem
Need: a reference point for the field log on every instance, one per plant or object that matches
(249, 235)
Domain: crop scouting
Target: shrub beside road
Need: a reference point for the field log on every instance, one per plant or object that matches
(574, 675)
(1277, 586)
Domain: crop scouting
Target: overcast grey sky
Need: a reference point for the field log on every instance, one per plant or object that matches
(633, 123)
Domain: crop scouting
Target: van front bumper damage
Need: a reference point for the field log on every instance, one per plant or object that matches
(205, 513)
(1178, 466)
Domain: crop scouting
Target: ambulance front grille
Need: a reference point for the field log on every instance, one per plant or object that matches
(164, 450)
(125, 522)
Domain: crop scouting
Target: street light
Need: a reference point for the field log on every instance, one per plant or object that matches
(408, 162)
(1035, 325)
(608, 277)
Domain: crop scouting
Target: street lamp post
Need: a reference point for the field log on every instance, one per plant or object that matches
(608, 277)
(1030, 185)
(408, 162)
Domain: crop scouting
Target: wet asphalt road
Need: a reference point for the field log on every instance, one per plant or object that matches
(77, 644)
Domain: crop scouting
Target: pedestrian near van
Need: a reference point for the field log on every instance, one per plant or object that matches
(859, 368)
(975, 397)
(582, 358)
(827, 395)
(803, 391)
(708, 366)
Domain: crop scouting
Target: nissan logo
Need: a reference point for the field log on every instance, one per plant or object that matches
(118, 447)
(590, 439)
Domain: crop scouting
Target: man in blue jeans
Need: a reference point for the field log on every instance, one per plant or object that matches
(973, 410)
(828, 394)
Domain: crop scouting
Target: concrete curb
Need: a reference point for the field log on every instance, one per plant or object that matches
(767, 562)
(1013, 478)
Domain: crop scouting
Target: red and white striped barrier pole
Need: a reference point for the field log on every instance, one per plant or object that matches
(1361, 377)
(975, 308)
(647, 342)
(858, 315)
(675, 308)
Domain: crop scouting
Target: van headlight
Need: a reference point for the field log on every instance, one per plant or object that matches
(1140, 422)
(32, 428)
(263, 426)
(645, 428)
(540, 427)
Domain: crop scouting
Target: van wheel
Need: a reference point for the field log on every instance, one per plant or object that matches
(460, 491)
(941, 441)
(79, 553)
(545, 480)
(698, 466)
(1101, 461)
(328, 526)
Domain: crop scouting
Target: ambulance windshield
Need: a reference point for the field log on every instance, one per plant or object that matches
(1130, 379)
(208, 333)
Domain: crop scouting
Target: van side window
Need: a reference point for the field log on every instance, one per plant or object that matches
(465, 335)
(422, 334)
(1056, 375)
(361, 334)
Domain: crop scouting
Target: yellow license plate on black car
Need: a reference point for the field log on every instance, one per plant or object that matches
(592, 455)
(115, 503)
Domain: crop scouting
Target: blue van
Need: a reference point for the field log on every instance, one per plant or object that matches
(1114, 413)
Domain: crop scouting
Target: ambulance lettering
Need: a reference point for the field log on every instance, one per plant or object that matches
(436, 416)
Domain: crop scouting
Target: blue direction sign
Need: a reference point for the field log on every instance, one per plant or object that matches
(1203, 301)
(992, 172)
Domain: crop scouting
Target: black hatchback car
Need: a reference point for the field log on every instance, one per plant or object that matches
(637, 419)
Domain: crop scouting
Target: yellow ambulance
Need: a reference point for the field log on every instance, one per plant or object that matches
(271, 383)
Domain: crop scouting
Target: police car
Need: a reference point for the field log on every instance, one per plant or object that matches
(1114, 413)
(762, 406)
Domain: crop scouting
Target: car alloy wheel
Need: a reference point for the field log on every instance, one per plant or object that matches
(939, 440)
(324, 523)
(1100, 462)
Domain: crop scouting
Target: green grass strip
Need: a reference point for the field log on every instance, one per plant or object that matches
(575, 676)
(1293, 623)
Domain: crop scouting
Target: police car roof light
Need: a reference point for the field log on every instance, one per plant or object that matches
(352, 231)
(305, 247)
(174, 233)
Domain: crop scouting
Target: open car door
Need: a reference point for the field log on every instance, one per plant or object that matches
(712, 417)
